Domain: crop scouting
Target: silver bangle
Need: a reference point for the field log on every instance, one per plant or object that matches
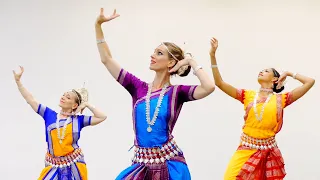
(196, 69)
(214, 66)
(99, 41)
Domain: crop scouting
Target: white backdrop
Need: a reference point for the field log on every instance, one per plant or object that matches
(55, 42)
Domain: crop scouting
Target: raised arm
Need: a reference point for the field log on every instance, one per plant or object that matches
(298, 92)
(206, 86)
(24, 92)
(225, 87)
(98, 116)
(104, 51)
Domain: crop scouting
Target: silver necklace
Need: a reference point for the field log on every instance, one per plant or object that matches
(259, 118)
(61, 136)
(65, 113)
(267, 90)
(156, 112)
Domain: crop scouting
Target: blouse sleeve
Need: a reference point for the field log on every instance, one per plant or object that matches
(46, 113)
(245, 96)
(84, 121)
(286, 99)
(185, 93)
(130, 82)
(241, 95)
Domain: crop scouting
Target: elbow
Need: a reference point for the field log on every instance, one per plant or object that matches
(103, 61)
(31, 101)
(313, 81)
(103, 118)
(211, 88)
(100, 120)
(219, 84)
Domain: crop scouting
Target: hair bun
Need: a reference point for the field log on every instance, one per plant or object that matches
(184, 70)
(277, 90)
(84, 95)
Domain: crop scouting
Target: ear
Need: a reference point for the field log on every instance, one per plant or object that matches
(172, 63)
(274, 79)
(75, 106)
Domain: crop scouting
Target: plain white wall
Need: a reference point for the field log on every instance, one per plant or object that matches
(55, 42)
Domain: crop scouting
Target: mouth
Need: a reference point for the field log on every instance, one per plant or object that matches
(152, 62)
(61, 101)
(260, 74)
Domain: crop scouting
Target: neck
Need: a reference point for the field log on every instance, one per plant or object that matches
(161, 79)
(266, 88)
(66, 112)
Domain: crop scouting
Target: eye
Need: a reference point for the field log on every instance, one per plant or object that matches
(159, 53)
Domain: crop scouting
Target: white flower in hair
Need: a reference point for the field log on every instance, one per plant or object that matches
(84, 94)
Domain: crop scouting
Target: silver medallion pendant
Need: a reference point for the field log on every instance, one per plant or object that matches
(149, 129)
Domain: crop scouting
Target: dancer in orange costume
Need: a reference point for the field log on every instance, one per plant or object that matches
(258, 156)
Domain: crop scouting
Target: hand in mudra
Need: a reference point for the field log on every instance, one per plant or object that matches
(102, 18)
(17, 76)
(281, 80)
(181, 64)
(214, 46)
(81, 108)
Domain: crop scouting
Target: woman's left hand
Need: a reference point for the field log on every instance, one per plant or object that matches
(81, 107)
(281, 79)
(184, 62)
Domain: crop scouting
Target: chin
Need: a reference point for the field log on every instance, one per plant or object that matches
(61, 105)
(152, 68)
(261, 78)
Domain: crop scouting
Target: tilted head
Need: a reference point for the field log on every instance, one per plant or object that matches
(269, 77)
(70, 100)
(166, 56)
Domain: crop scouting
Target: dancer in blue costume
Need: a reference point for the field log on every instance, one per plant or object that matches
(156, 107)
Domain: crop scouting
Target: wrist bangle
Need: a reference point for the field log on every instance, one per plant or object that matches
(214, 66)
(196, 69)
(294, 75)
(99, 41)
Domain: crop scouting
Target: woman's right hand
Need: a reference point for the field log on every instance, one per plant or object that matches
(102, 18)
(214, 46)
(17, 76)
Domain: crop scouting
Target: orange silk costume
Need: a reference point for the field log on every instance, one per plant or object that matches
(256, 164)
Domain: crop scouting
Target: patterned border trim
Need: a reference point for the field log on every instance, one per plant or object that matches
(191, 92)
(172, 113)
(240, 95)
(122, 75)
